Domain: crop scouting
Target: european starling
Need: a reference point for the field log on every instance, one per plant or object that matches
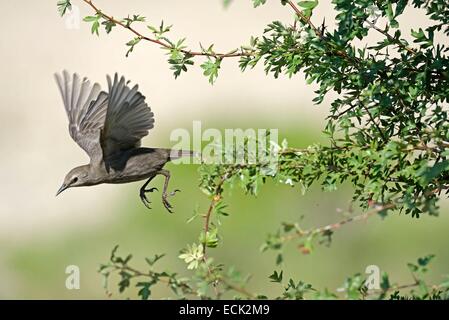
(109, 127)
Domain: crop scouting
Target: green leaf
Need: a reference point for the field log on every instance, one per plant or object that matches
(308, 4)
(95, 20)
(130, 20)
(424, 261)
(179, 61)
(125, 281)
(63, 6)
(90, 18)
(108, 25)
(427, 174)
(257, 3)
(385, 282)
(211, 69)
(145, 292)
(308, 7)
(227, 3)
(155, 259)
(276, 277)
(210, 238)
(279, 259)
(131, 44)
(400, 7)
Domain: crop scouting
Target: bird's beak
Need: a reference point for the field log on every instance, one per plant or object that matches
(63, 187)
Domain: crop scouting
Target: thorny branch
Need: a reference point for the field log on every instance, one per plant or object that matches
(232, 54)
(394, 40)
(299, 233)
(215, 199)
(318, 33)
(304, 19)
(169, 279)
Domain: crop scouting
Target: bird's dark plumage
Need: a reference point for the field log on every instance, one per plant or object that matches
(86, 109)
(109, 127)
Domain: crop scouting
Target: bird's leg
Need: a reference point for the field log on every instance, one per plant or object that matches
(167, 205)
(142, 192)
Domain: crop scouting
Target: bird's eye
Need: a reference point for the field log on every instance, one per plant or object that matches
(74, 180)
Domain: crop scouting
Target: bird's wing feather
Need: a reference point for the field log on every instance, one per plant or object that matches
(86, 107)
(128, 118)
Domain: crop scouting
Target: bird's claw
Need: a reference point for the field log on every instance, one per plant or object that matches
(144, 198)
(166, 204)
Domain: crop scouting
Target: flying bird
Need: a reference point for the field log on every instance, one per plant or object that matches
(109, 127)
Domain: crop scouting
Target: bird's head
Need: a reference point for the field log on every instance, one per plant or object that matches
(77, 177)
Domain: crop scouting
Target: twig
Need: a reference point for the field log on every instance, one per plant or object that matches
(210, 273)
(416, 283)
(301, 233)
(165, 279)
(318, 33)
(394, 40)
(150, 274)
(382, 135)
(238, 289)
(304, 18)
(163, 44)
(216, 197)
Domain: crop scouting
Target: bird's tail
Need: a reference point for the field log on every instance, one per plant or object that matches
(176, 154)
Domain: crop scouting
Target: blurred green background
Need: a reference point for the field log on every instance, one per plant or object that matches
(37, 266)
(41, 235)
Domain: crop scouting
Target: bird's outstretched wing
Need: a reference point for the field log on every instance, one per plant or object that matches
(86, 107)
(128, 118)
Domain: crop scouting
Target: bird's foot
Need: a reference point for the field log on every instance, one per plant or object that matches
(144, 198)
(165, 202)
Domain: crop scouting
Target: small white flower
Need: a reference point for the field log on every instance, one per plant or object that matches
(374, 14)
(303, 37)
(287, 181)
(374, 11)
(193, 256)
